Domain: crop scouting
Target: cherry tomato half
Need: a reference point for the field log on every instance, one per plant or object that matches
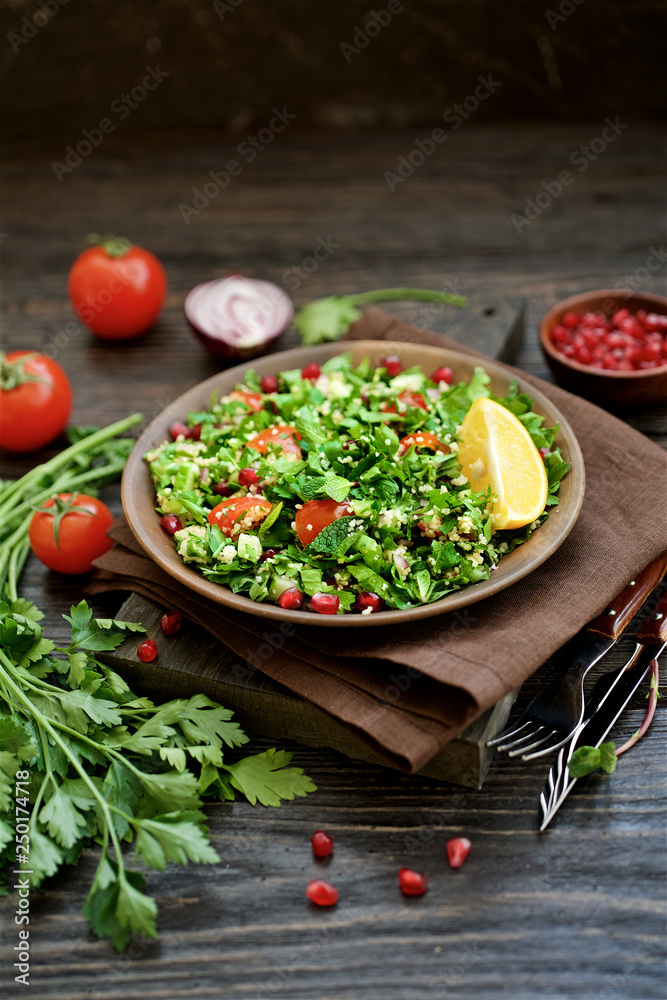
(237, 514)
(285, 435)
(117, 289)
(70, 532)
(252, 399)
(423, 439)
(409, 398)
(315, 515)
(32, 413)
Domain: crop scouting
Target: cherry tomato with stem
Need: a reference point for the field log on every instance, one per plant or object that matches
(117, 289)
(69, 531)
(35, 400)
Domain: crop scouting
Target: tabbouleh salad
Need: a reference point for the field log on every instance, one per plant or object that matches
(338, 489)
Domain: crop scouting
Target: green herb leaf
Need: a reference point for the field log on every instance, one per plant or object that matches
(585, 760)
(265, 778)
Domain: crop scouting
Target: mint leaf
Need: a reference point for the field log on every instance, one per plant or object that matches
(265, 778)
(608, 758)
(585, 760)
(330, 538)
(336, 487)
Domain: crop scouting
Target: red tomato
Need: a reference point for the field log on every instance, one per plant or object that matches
(237, 514)
(117, 289)
(32, 413)
(71, 532)
(284, 435)
(315, 515)
(252, 399)
(423, 439)
(409, 398)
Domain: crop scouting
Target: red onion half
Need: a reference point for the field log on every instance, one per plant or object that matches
(237, 316)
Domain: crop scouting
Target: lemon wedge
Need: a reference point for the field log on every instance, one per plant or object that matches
(496, 449)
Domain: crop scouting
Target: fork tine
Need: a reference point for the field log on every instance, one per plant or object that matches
(543, 751)
(503, 736)
(532, 746)
(524, 741)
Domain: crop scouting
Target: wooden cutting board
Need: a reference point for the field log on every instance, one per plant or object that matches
(192, 662)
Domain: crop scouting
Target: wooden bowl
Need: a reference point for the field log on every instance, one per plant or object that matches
(617, 391)
(138, 495)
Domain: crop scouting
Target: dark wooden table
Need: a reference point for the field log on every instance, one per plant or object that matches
(576, 913)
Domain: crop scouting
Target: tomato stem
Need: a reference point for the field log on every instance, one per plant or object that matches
(115, 246)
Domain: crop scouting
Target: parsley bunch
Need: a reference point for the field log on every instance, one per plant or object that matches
(110, 767)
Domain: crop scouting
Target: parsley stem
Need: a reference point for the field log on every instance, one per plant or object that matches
(386, 294)
(42, 721)
(86, 444)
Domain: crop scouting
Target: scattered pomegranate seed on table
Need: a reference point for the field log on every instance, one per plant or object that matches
(268, 383)
(458, 849)
(622, 342)
(325, 604)
(291, 599)
(170, 523)
(170, 623)
(147, 650)
(322, 844)
(393, 365)
(444, 374)
(248, 477)
(321, 893)
(311, 372)
(412, 883)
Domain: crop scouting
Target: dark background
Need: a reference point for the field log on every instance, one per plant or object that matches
(227, 68)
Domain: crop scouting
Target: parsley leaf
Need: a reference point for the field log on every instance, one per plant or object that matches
(265, 778)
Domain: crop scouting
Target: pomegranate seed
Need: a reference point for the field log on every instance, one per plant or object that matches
(170, 523)
(147, 650)
(654, 321)
(291, 599)
(393, 365)
(571, 319)
(311, 372)
(170, 623)
(248, 477)
(179, 429)
(222, 489)
(325, 604)
(443, 374)
(268, 554)
(458, 849)
(268, 383)
(559, 335)
(322, 844)
(369, 600)
(321, 893)
(544, 452)
(619, 316)
(412, 883)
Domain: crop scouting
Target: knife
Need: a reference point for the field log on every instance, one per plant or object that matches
(608, 700)
(588, 647)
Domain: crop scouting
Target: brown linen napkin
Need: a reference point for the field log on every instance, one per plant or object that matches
(408, 689)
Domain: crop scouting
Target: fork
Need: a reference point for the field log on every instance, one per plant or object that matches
(554, 713)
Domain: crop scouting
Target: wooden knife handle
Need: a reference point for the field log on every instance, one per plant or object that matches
(615, 619)
(654, 630)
